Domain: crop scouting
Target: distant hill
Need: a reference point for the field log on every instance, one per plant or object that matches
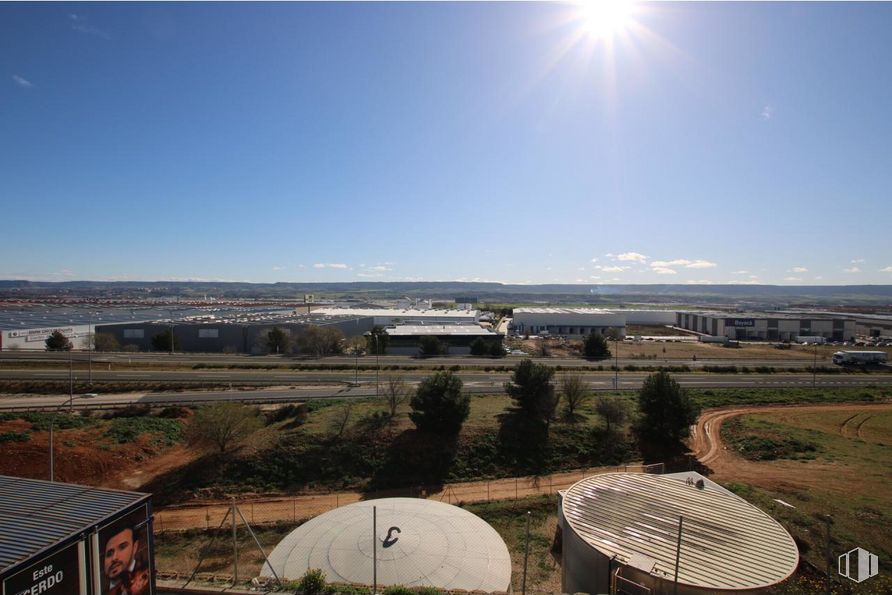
(764, 295)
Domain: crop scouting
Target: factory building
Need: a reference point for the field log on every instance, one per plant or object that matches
(568, 321)
(409, 542)
(455, 339)
(620, 534)
(768, 326)
(394, 316)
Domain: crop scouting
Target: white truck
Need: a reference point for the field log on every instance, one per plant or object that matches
(859, 358)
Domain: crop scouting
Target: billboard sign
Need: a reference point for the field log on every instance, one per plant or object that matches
(740, 322)
(125, 556)
(58, 574)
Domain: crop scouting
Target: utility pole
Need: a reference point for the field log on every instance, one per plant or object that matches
(814, 369)
(375, 549)
(616, 365)
(234, 545)
(829, 520)
(526, 556)
(90, 347)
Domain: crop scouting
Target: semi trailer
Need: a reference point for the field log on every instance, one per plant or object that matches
(859, 358)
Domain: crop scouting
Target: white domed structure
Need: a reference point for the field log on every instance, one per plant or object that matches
(418, 543)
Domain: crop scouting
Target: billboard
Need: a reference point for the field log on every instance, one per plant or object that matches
(125, 558)
(58, 574)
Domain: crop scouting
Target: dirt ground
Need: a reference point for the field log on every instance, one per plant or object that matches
(290, 508)
(85, 457)
(706, 443)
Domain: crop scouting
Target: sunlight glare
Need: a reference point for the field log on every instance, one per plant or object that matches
(603, 18)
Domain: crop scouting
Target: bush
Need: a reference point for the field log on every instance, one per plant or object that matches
(312, 583)
(14, 437)
(398, 590)
(594, 346)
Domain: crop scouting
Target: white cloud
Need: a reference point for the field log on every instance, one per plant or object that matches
(631, 257)
(277, 268)
(740, 273)
(857, 260)
(22, 81)
(611, 268)
(767, 112)
(683, 262)
(380, 268)
(699, 282)
(595, 259)
(598, 277)
(80, 24)
(888, 269)
(663, 271)
(333, 265)
(852, 270)
(701, 264)
(580, 269)
(792, 278)
(818, 278)
(799, 270)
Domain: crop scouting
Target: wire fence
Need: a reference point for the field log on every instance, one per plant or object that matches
(265, 511)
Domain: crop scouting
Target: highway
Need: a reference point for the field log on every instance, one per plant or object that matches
(11, 358)
(475, 383)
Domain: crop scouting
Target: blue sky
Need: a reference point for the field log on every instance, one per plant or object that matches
(450, 141)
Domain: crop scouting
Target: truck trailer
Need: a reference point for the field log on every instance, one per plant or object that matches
(859, 358)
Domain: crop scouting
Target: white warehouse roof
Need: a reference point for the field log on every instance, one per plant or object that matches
(463, 330)
(397, 313)
(561, 311)
(726, 542)
(429, 543)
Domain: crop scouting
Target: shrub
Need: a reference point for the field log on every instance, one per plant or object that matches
(312, 583)
(14, 437)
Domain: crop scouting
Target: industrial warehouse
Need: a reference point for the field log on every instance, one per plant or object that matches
(769, 327)
(575, 322)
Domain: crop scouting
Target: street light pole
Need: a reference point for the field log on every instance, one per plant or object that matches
(814, 368)
(90, 348)
(377, 362)
(616, 366)
(69, 400)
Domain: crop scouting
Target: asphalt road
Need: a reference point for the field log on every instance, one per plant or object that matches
(190, 359)
(474, 383)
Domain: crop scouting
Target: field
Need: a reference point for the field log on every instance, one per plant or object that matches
(801, 464)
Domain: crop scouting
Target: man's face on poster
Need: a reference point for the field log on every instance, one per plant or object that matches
(119, 550)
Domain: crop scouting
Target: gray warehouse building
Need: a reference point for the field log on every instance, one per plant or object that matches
(774, 326)
(568, 321)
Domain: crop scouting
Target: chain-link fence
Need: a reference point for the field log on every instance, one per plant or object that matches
(260, 511)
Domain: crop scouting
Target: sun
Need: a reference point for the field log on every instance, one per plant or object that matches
(604, 18)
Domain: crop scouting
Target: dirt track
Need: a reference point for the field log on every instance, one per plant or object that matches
(706, 444)
(293, 508)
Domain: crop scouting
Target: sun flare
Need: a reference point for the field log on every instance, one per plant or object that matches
(604, 18)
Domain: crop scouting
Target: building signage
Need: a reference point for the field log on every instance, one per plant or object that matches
(58, 574)
(740, 322)
(125, 556)
(36, 334)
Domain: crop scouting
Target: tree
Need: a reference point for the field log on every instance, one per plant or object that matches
(430, 346)
(356, 346)
(277, 340)
(58, 342)
(613, 410)
(532, 390)
(667, 411)
(105, 342)
(321, 341)
(496, 349)
(439, 405)
(223, 426)
(574, 392)
(395, 393)
(378, 340)
(161, 341)
(479, 347)
(594, 346)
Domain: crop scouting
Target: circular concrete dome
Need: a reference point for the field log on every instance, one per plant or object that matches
(632, 519)
(419, 543)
